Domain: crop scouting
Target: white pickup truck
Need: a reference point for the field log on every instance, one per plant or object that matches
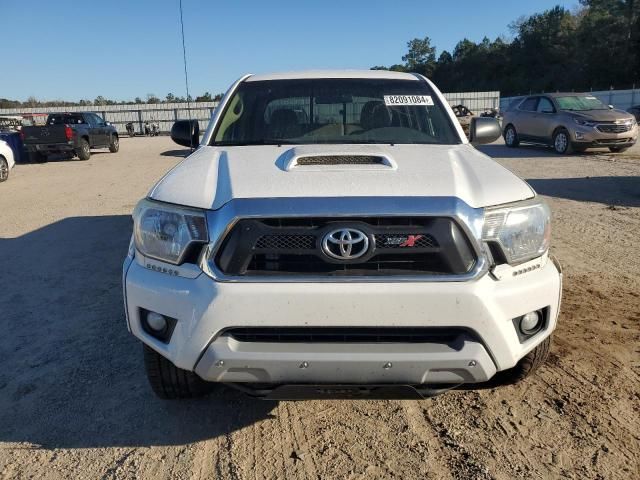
(335, 234)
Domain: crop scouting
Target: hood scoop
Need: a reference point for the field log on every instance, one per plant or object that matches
(324, 159)
(341, 160)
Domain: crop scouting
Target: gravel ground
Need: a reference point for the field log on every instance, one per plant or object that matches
(74, 401)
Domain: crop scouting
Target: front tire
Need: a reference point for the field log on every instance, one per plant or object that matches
(170, 382)
(511, 137)
(526, 366)
(562, 142)
(114, 145)
(618, 149)
(4, 169)
(83, 152)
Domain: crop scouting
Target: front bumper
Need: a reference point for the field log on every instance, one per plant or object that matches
(590, 137)
(227, 360)
(204, 308)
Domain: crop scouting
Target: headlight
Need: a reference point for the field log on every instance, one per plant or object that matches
(521, 230)
(584, 123)
(166, 232)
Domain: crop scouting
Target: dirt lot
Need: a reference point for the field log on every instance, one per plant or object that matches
(74, 401)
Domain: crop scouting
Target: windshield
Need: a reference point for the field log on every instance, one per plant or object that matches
(340, 111)
(579, 103)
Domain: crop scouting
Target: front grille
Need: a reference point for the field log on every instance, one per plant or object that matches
(613, 127)
(449, 336)
(341, 160)
(612, 141)
(397, 246)
(286, 242)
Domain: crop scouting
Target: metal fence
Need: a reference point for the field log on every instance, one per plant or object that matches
(477, 102)
(164, 114)
(622, 99)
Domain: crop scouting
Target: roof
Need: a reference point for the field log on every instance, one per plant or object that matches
(310, 74)
(563, 94)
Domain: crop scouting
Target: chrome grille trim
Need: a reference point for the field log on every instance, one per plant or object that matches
(614, 127)
(221, 221)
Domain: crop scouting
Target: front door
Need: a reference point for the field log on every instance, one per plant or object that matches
(94, 130)
(543, 123)
(526, 118)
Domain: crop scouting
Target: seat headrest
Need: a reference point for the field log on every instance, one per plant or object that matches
(284, 124)
(375, 114)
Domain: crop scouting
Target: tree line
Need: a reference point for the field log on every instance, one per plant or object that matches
(33, 102)
(596, 46)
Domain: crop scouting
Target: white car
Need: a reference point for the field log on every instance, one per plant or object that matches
(335, 234)
(6, 160)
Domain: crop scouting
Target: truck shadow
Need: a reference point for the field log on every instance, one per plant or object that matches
(183, 152)
(72, 375)
(60, 157)
(500, 150)
(613, 191)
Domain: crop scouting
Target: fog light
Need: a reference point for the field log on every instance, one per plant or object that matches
(157, 322)
(579, 136)
(530, 323)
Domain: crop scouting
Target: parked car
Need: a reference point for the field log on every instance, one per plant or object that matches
(568, 122)
(635, 111)
(374, 252)
(73, 133)
(6, 160)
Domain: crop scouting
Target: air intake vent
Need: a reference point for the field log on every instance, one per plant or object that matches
(341, 160)
(449, 336)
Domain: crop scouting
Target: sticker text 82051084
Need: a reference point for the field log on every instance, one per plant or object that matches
(391, 100)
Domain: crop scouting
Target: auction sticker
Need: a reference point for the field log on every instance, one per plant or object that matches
(392, 100)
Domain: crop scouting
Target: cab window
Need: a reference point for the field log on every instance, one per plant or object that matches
(65, 118)
(95, 120)
(545, 106)
(529, 105)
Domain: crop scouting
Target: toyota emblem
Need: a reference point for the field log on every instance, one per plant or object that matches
(345, 244)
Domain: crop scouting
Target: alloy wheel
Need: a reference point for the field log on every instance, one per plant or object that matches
(4, 170)
(560, 143)
(510, 136)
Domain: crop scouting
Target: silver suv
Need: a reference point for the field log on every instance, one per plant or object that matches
(569, 122)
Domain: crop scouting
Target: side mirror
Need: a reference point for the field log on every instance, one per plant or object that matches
(611, 107)
(186, 133)
(484, 130)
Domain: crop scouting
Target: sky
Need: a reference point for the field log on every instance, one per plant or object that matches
(72, 50)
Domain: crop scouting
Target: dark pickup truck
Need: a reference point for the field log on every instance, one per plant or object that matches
(71, 133)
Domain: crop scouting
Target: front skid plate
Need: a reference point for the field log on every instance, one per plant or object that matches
(342, 392)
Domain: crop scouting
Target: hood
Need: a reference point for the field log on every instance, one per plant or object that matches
(602, 115)
(212, 176)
